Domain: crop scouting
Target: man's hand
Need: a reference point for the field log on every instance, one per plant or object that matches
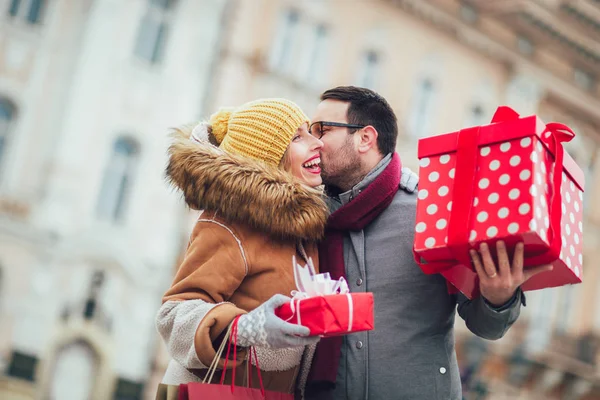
(498, 283)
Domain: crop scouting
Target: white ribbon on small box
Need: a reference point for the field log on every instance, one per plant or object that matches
(310, 284)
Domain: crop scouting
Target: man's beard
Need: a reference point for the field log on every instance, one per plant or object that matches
(343, 170)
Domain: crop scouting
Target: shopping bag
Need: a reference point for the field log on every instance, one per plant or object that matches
(205, 391)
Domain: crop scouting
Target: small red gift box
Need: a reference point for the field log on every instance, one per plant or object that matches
(331, 315)
(509, 180)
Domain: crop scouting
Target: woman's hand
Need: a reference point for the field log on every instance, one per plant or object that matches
(262, 328)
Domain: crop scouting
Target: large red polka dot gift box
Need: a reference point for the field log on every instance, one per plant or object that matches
(510, 180)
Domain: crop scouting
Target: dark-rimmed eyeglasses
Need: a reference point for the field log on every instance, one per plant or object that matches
(316, 128)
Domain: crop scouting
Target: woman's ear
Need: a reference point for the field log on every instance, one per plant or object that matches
(367, 139)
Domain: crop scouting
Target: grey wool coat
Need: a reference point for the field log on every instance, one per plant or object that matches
(410, 354)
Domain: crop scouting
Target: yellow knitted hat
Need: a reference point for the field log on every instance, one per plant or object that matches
(261, 129)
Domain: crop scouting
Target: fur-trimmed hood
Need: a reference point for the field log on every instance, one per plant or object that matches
(244, 191)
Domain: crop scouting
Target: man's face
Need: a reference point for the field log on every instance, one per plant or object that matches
(339, 158)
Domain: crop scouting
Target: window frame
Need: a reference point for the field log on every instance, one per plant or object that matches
(117, 191)
(7, 129)
(31, 12)
(156, 20)
(22, 366)
(421, 111)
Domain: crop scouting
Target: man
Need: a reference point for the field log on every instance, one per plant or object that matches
(410, 353)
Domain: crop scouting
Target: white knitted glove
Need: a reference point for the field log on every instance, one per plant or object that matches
(262, 328)
(409, 180)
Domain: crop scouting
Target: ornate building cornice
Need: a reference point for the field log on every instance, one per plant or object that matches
(491, 36)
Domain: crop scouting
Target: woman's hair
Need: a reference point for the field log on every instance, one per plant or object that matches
(286, 161)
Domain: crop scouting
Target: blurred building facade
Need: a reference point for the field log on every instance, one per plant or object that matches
(89, 234)
(89, 231)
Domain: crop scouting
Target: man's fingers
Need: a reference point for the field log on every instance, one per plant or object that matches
(517, 262)
(478, 265)
(488, 262)
(503, 261)
(528, 273)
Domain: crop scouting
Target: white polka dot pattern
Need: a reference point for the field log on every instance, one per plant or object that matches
(512, 195)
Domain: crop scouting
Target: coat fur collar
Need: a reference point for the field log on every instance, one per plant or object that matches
(244, 191)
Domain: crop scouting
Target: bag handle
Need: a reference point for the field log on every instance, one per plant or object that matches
(262, 388)
(232, 333)
(183, 388)
(215, 362)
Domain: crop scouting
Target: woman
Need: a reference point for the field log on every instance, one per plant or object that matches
(260, 208)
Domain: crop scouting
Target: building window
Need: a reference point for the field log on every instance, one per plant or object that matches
(524, 45)
(588, 172)
(285, 41)
(583, 79)
(584, 152)
(22, 366)
(468, 13)
(566, 305)
(7, 115)
(586, 159)
(315, 58)
(368, 70)
(476, 116)
(118, 178)
(540, 320)
(31, 10)
(423, 107)
(14, 7)
(483, 96)
(128, 390)
(91, 303)
(154, 29)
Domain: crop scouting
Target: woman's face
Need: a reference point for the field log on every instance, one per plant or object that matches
(304, 157)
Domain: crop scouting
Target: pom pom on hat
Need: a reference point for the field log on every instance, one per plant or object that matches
(219, 122)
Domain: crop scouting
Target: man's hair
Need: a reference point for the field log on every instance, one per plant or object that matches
(368, 108)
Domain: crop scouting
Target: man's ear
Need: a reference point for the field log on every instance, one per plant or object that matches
(367, 139)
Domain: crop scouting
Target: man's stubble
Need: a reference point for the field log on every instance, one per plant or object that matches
(343, 169)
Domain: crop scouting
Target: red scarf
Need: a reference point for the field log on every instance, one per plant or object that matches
(353, 216)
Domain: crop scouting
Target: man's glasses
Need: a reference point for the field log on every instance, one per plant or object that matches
(316, 128)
